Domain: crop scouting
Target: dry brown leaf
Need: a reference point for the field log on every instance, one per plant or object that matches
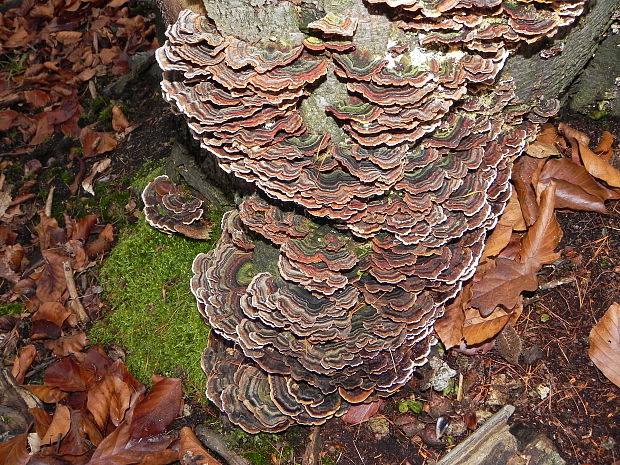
(98, 167)
(362, 412)
(52, 311)
(191, 450)
(108, 401)
(66, 345)
(22, 362)
(50, 395)
(524, 176)
(478, 329)
(95, 143)
(158, 409)
(61, 422)
(51, 284)
(538, 149)
(119, 120)
(102, 244)
(576, 174)
(449, 327)
(502, 285)
(599, 167)
(573, 197)
(539, 243)
(604, 149)
(575, 138)
(15, 451)
(604, 341)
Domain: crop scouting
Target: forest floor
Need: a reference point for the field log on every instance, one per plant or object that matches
(554, 386)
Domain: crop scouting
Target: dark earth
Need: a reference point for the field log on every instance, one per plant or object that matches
(554, 386)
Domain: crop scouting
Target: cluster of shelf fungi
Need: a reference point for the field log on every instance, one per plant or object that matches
(325, 284)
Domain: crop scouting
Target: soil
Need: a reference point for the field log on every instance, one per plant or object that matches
(555, 388)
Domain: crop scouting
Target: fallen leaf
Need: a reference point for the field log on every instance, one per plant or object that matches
(52, 311)
(604, 341)
(191, 450)
(362, 412)
(95, 143)
(82, 227)
(502, 285)
(599, 167)
(61, 422)
(15, 451)
(524, 174)
(605, 145)
(108, 401)
(66, 345)
(450, 326)
(47, 394)
(577, 175)
(158, 409)
(478, 329)
(573, 197)
(22, 362)
(67, 375)
(102, 244)
(539, 243)
(118, 449)
(51, 284)
(119, 120)
(98, 167)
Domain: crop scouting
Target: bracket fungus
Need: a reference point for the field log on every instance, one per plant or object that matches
(324, 287)
(171, 209)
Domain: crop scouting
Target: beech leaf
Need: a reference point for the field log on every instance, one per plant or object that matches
(599, 167)
(109, 400)
(604, 341)
(539, 243)
(23, 362)
(158, 409)
(502, 285)
(450, 326)
(59, 427)
(362, 412)
(191, 450)
(14, 451)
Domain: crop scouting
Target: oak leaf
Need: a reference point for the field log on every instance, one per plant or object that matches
(502, 285)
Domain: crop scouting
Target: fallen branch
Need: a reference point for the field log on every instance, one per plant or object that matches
(217, 444)
(74, 301)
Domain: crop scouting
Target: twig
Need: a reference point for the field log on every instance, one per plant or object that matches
(556, 283)
(49, 201)
(74, 301)
(217, 444)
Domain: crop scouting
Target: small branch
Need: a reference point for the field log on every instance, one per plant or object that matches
(74, 301)
(217, 444)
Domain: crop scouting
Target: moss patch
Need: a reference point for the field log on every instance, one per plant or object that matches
(11, 309)
(154, 316)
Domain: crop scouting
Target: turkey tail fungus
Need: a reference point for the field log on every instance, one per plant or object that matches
(380, 139)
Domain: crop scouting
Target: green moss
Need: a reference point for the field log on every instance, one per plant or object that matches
(154, 316)
(11, 309)
(264, 448)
